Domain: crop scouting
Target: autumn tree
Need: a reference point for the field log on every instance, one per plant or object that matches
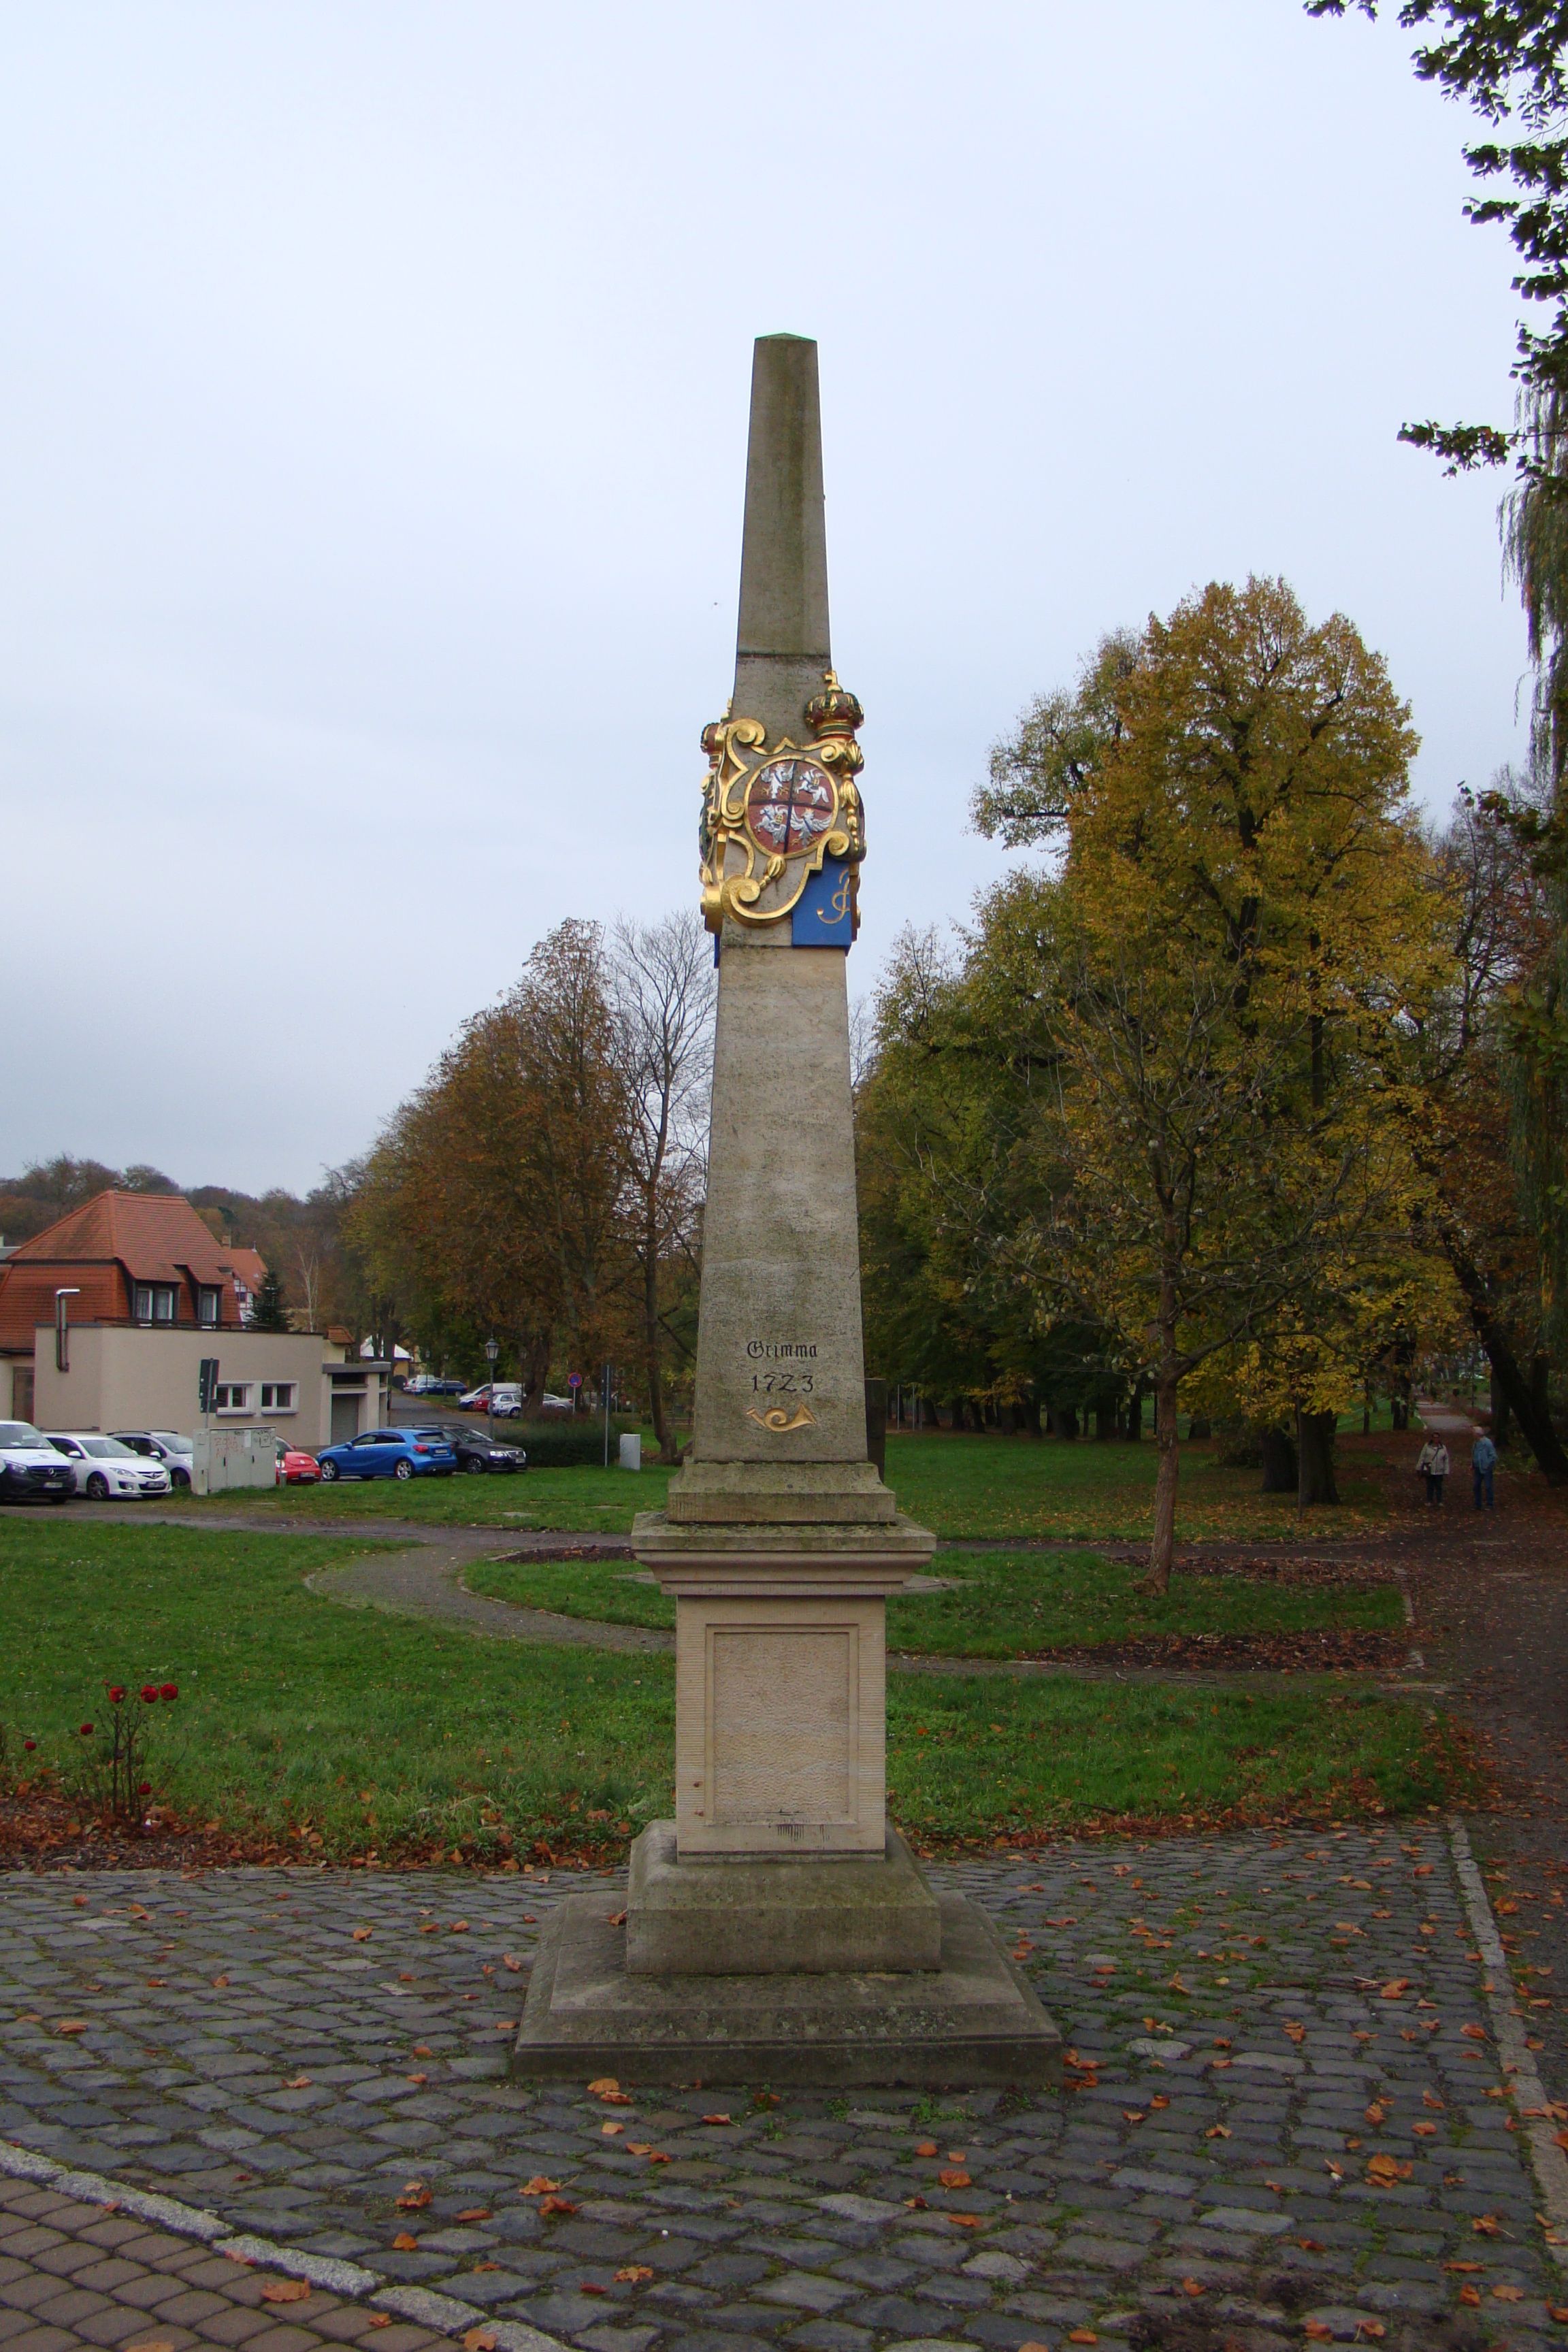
(497, 1200)
(1239, 936)
(661, 992)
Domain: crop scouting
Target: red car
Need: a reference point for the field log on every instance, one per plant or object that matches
(296, 1467)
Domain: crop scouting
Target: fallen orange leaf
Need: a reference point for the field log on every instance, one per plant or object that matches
(285, 2290)
(926, 2148)
(415, 2198)
(480, 2339)
(406, 2243)
(540, 2186)
(954, 2179)
(364, 1934)
(634, 2274)
(556, 2205)
(716, 2119)
(475, 2213)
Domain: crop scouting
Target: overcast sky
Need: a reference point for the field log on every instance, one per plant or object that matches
(373, 409)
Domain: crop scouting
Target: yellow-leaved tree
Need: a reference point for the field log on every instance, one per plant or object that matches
(1243, 936)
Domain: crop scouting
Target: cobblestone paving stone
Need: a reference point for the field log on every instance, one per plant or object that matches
(74, 2275)
(1257, 2019)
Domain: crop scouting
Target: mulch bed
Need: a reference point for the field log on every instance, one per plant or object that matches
(39, 1829)
(1338, 1652)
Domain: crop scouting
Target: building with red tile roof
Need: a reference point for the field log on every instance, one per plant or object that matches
(150, 1291)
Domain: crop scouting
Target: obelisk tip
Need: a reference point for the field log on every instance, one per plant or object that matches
(783, 558)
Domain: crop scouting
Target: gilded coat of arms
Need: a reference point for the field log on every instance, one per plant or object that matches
(772, 813)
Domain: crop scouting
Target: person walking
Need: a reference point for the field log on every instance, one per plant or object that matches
(1432, 1463)
(1483, 1462)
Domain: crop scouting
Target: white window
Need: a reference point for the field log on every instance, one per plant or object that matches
(209, 1306)
(233, 1396)
(154, 1302)
(278, 1396)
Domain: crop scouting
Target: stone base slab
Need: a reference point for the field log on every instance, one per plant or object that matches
(780, 1916)
(972, 2024)
(781, 1560)
(801, 1494)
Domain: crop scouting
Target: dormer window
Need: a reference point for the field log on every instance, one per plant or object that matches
(154, 1302)
(209, 1304)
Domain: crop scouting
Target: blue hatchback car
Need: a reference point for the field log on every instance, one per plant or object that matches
(389, 1453)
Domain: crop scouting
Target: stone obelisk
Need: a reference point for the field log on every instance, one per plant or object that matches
(777, 1920)
(779, 1540)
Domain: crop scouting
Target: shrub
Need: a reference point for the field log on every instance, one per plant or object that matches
(577, 1444)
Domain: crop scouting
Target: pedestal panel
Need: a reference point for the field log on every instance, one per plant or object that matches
(780, 1726)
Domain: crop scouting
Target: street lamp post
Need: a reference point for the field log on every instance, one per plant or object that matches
(492, 1351)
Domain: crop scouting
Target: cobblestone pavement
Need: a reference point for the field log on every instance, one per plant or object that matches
(1263, 2026)
(80, 2274)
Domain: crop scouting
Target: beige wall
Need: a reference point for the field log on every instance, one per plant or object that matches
(125, 1377)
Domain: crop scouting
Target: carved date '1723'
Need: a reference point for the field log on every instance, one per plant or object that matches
(789, 1376)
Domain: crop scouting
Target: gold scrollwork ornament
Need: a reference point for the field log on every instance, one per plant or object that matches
(782, 808)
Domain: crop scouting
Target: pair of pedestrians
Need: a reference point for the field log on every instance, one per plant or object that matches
(1432, 1465)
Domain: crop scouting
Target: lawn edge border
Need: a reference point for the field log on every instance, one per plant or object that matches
(443, 2312)
(1548, 2162)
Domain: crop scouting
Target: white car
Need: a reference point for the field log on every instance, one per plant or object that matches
(507, 1399)
(30, 1469)
(176, 1453)
(104, 1468)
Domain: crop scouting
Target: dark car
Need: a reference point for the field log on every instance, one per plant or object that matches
(389, 1453)
(31, 1470)
(476, 1454)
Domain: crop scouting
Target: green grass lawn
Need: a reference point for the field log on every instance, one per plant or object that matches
(353, 1731)
(961, 1486)
(1004, 1605)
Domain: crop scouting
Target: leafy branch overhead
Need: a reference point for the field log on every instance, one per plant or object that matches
(1506, 59)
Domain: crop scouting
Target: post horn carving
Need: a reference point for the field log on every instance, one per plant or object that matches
(771, 813)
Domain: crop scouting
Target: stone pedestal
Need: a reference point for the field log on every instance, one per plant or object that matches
(785, 1915)
(972, 2024)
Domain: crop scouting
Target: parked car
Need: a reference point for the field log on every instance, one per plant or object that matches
(432, 1384)
(552, 1403)
(508, 1401)
(295, 1467)
(30, 1469)
(389, 1453)
(102, 1467)
(477, 1454)
(176, 1453)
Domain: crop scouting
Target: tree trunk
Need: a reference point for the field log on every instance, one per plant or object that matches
(1135, 1413)
(533, 1368)
(1067, 1421)
(1281, 1473)
(653, 1366)
(1315, 1456)
(1162, 1547)
(1399, 1410)
(1507, 1371)
(1031, 1414)
(1104, 1422)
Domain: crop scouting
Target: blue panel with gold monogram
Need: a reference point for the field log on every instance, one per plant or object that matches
(823, 914)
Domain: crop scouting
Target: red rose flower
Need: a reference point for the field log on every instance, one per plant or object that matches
(150, 1694)
(145, 1789)
(86, 1731)
(29, 1745)
(116, 1692)
(168, 1690)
